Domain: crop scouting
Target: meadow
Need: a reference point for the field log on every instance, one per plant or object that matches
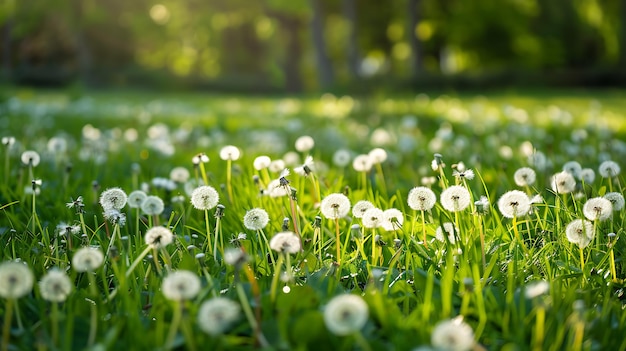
(426, 222)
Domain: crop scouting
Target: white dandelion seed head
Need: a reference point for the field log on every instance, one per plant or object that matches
(335, 206)
(87, 259)
(306, 168)
(179, 174)
(16, 280)
(617, 200)
(277, 166)
(563, 183)
(287, 242)
(113, 198)
(525, 176)
(580, 232)
(261, 162)
(200, 158)
(452, 335)
(421, 198)
(514, 203)
(362, 163)
(373, 218)
(152, 206)
(609, 169)
(304, 143)
(428, 180)
(536, 199)
(234, 256)
(465, 174)
(587, 175)
(536, 289)
(181, 285)
(393, 219)
(217, 315)
(345, 314)
(455, 198)
(136, 198)
(446, 229)
(342, 158)
(57, 145)
(573, 167)
(64, 228)
(598, 208)
(360, 207)
(158, 237)
(230, 152)
(538, 160)
(115, 216)
(30, 158)
(482, 205)
(256, 219)
(8, 141)
(204, 197)
(55, 286)
(377, 155)
(274, 189)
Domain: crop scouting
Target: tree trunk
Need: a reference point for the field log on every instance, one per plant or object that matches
(417, 55)
(325, 69)
(84, 57)
(352, 51)
(6, 48)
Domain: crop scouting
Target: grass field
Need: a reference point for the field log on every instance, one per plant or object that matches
(451, 222)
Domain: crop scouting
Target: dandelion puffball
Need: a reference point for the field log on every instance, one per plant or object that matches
(335, 206)
(421, 198)
(16, 280)
(455, 198)
(55, 286)
(87, 259)
(256, 219)
(181, 285)
(204, 197)
(514, 203)
(216, 315)
(158, 237)
(346, 314)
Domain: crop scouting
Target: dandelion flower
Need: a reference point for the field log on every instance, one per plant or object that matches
(277, 166)
(261, 162)
(536, 289)
(580, 232)
(179, 174)
(287, 242)
(455, 198)
(360, 207)
(393, 219)
(181, 285)
(87, 259)
(304, 143)
(563, 183)
(598, 208)
(617, 200)
(16, 280)
(136, 198)
(275, 189)
(8, 141)
(306, 168)
(362, 163)
(204, 197)
(113, 198)
(609, 169)
(572, 167)
(377, 155)
(31, 158)
(421, 198)
(201, 157)
(335, 206)
(587, 175)
(256, 219)
(55, 286)
(373, 218)
(448, 229)
(235, 257)
(463, 174)
(230, 152)
(346, 314)
(452, 335)
(342, 158)
(525, 176)
(152, 206)
(115, 216)
(514, 203)
(158, 237)
(217, 315)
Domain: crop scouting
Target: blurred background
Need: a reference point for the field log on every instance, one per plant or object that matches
(312, 45)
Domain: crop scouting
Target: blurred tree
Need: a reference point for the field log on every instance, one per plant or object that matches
(414, 12)
(325, 68)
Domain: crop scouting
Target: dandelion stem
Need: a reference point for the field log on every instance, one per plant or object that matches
(582, 263)
(539, 328)
(176, 318)
(229, 187)
(208, 231)
(54, 323)
(203, 173)
(613, 271)
(360, 340)
(277, 271)
(424, 229)
(6, 326)
(245, 305)
(337, 240)
(93, 323)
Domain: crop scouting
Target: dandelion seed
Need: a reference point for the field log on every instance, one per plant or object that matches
(393, 219)
(563, 183)
(152, 206)
(360, 207)
(274, 189)
(136, 198)
(342, 158)
(16, 280)
(113, 198)
(373, 218)
(525, 176)
(466, 174)
(587, 175)
(304, 143)
(452, 335)
(217, 315)
(362, 163)
(598, 208)
(455, 198)
(87, 259)
(346, 314)
(287, 242)
(256, 219)
(446, 229)
(335, 206)
(421, 198)
(377, 155)
(115, 216)
(230, 152)
(609, 169)
(204, 197)
(179, 174)
(158, 237)
(30, 158)
(261, 162)
(306, 168)
(201, 157)
(78, 203)
(482, 205)
(513, 204)
(55, 286)
(617, 200)
(181, 285)
(580, 232)
(536, 289)
(574, 168)
(64, 228)
(282, 179)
